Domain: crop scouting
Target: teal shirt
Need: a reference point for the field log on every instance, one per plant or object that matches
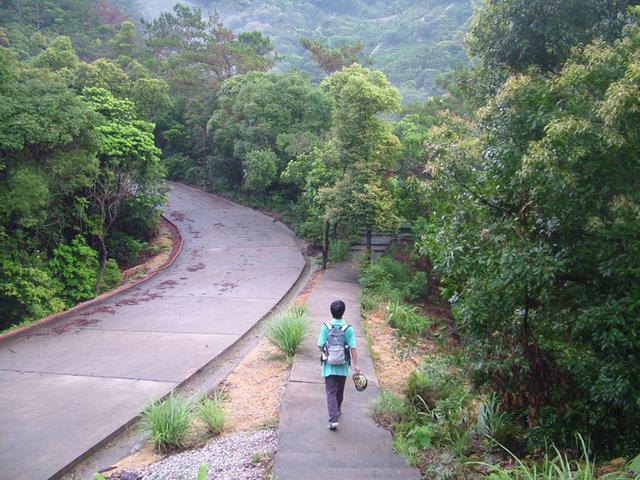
(349, 337)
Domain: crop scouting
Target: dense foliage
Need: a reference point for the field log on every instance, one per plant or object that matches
(534, 227)
(87, 100)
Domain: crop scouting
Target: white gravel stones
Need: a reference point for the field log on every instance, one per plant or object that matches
(241, 456)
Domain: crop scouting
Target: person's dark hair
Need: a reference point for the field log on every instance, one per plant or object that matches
(337, 309)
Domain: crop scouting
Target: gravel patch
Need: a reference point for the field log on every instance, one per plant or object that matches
(241, 456)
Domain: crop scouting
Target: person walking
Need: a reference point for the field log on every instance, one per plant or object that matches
(337, 344)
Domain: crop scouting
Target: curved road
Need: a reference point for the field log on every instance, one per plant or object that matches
(67, 385)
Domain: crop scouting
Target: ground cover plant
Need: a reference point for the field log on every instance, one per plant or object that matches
(450, 430)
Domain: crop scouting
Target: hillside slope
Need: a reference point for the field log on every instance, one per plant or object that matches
(412, 41)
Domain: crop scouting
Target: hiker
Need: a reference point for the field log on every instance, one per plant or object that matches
(337, 344)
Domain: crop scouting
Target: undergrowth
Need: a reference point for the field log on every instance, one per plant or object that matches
(440, 422)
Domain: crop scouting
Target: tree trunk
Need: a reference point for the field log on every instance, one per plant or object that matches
(325, 245)
(369, 243)
(103, 262)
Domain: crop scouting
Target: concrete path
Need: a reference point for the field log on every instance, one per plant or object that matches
(359, 449)
(67, 385)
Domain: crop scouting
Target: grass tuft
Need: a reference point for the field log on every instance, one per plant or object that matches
(554, 466)
(287, 330)
(210, 411)
(168, 421)
(406, 319)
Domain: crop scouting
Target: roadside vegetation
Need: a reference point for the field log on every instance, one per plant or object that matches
(170, 422)
(288, 329)
(441, 422)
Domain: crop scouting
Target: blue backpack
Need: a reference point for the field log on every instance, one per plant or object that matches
(336, 348)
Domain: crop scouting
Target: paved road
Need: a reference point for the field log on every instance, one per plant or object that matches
(359, 449)
(67, 385)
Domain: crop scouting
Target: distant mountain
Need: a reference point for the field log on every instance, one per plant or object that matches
(412, 41)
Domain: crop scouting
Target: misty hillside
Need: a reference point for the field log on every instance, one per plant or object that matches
(412, 41)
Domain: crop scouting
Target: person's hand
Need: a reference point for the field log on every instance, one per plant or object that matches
(356, 368)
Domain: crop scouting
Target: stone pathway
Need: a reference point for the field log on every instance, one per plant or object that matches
(67, 385)
(359, 449)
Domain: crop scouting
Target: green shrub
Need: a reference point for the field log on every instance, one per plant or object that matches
(417, 287)
(403, 445)
(177, 166)
(210, 412)
(410, 443)
(431, 382)
(27, 290)
(75, 265)
(392, 280)
(383, 274)
(168, 421)
(497, 424)
(112, 276)
(339, 250)
(406, 319)
(124, 248)
(287, 330)
(139, 216)
(370, 300)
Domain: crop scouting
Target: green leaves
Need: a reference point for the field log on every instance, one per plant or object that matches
(541, 33)
(534, 229)
(280, 113)
(366, 148)
(260, 170)
(76, 266)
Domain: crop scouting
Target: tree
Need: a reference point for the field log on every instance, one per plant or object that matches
(332, 59)
(260, 170)
(129, 162)
(59, 55)
(195, 54)
(47, 159)
(534, 211)
(282, 113)
(200, 52)
(367, 150)
(522, 33)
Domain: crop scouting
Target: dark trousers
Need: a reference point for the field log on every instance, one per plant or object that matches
(334, 386)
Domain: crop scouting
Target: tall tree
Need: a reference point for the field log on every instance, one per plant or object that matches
(367, 149)
(534, 227)
(333, 59)
(129, 162)
(282, 113)
(521, 33)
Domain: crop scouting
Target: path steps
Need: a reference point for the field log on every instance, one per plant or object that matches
(359, 449)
